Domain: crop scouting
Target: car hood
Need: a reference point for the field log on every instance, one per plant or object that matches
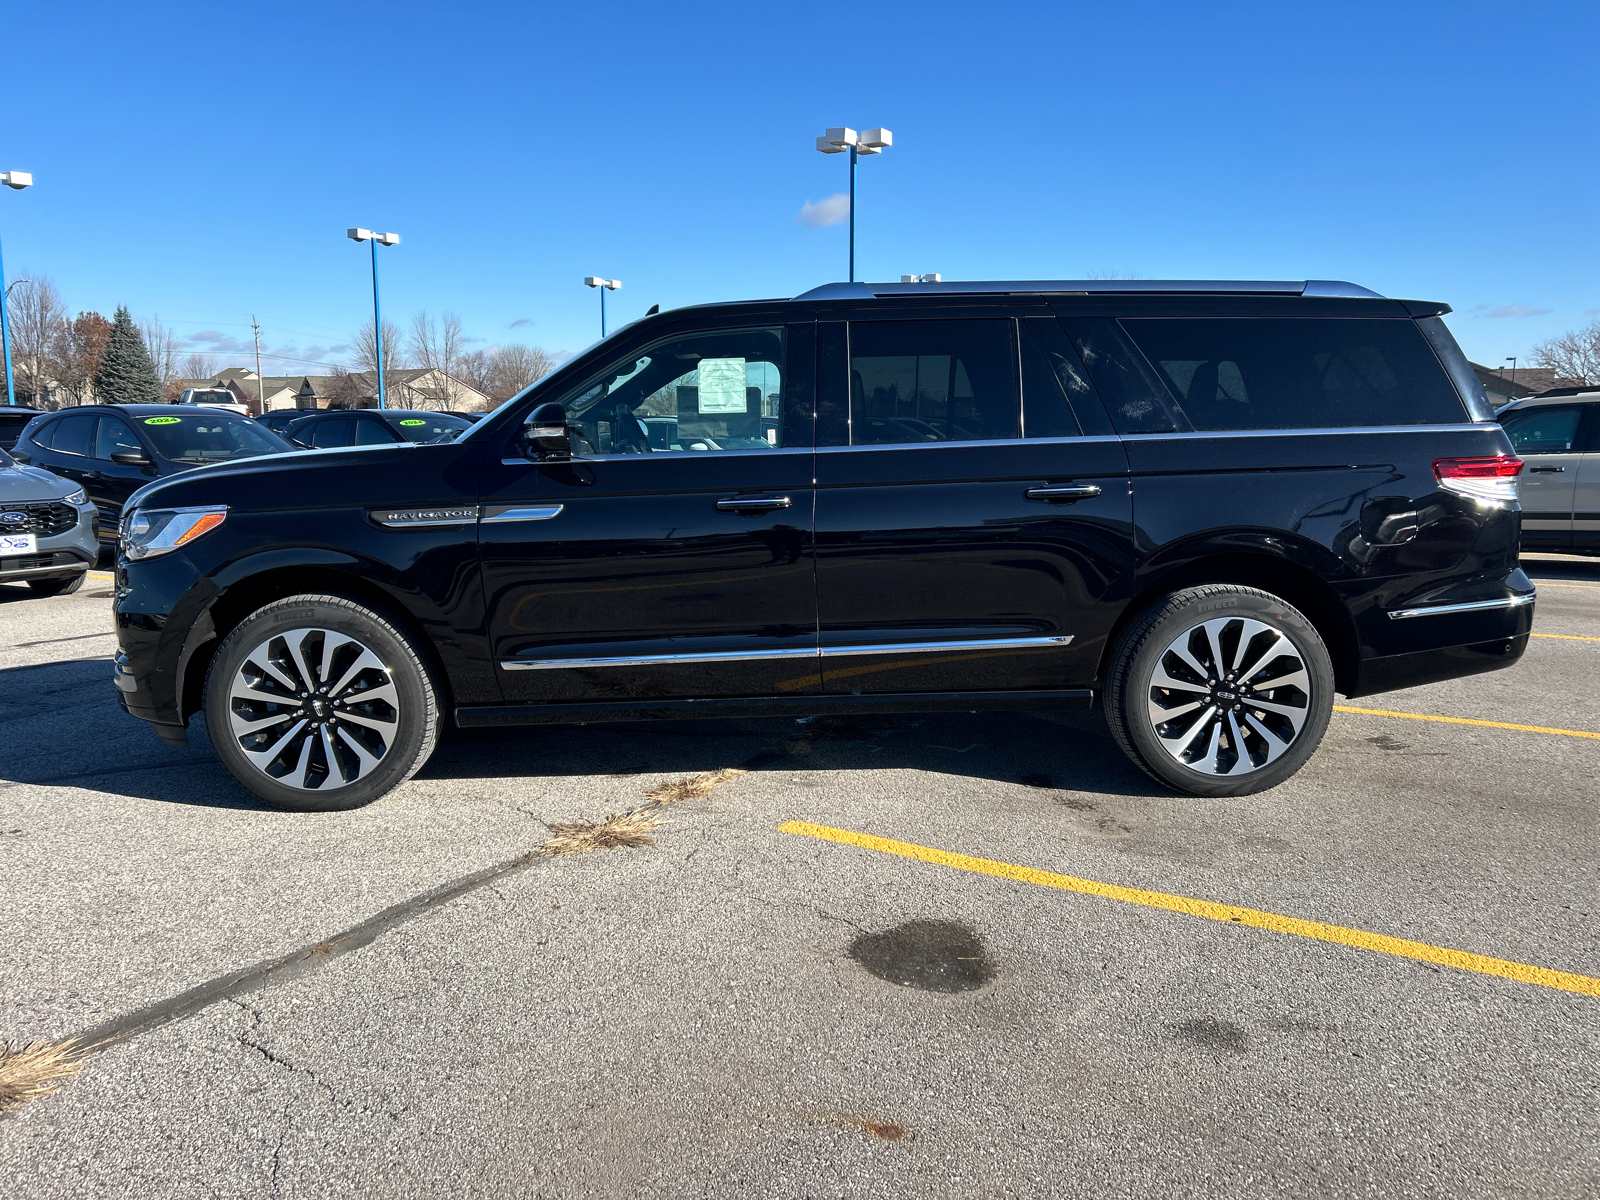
(271, 480)
(19, 485)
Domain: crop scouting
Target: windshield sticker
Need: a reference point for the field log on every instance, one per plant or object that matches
(722, 385)
(163, 420)
(413, 421)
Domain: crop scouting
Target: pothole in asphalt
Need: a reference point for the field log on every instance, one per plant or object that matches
(936, 956)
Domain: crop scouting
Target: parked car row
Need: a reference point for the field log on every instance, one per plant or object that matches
(111, 451)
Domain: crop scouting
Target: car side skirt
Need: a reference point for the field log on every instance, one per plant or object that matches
(487, 716)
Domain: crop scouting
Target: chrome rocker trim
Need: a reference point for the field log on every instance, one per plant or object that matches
(658, 660)
(1433, 610)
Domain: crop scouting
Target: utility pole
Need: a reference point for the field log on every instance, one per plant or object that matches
(261, 384)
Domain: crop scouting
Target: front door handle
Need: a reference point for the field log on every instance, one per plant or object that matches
(1545, 470)
(754, 504)
(1064, 493)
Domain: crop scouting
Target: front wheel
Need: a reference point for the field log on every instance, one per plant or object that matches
(57, 587)
(1220, 690)
(317, 703)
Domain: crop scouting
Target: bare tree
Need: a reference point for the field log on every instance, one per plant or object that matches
(366, 354)
(1574, 355)
(500, 372)
(348, 391)
(76, 351)
(37, 315)
(162, 346)
(438, 346)
(198, 366)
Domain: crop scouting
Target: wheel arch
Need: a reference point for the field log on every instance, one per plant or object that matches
(248, 591)
(1293, 581)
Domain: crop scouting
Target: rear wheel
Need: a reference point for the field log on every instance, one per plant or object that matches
(57, 587)
(317, 703)
(1220, 690)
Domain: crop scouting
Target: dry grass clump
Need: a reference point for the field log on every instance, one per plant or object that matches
(613, 833)
(692, 787)
(35, 1070)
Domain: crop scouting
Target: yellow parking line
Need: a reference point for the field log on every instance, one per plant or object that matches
(1568, 637)
(1230, 914)
(1384, 712)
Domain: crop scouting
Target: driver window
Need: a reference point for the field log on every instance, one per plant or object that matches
(114, 435)
(715, 390)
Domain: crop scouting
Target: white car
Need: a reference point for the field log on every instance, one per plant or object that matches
(213, 398)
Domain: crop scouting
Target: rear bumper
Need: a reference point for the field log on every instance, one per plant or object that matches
(1450, 640)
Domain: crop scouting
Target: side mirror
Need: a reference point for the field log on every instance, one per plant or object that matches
(545, 436)
(130, 458)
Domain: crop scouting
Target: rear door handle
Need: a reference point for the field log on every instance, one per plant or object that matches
(754, 504)
(1064, 493)
(1545, 470)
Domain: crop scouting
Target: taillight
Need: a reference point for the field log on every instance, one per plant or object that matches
(1493, 479)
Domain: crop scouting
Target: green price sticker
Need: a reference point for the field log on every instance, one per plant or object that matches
(163, 420)
(413, 421)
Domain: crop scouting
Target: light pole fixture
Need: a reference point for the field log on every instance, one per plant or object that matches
(1512, 359)
(837, 141)
(605, 285)
(377, 239)
(17, 180)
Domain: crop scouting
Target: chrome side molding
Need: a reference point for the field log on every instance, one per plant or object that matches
(660, 660)
(496, 513)
(1434, 610)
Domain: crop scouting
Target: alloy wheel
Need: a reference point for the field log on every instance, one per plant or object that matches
(1229, 696)
(314, 709)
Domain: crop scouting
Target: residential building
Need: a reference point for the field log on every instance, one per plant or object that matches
(425, 387)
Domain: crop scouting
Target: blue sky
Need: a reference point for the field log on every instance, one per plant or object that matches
(201, 163)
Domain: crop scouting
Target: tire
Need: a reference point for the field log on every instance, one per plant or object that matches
(57, 587)
(1188, 736)
(343, 649)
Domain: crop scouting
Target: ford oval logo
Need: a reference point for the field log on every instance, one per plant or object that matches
(13, 518)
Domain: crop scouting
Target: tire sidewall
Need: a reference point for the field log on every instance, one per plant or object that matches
(1183, 611)
(416, 730)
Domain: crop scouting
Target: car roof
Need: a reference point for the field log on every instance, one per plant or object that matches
(1566, 396)
(135, 409)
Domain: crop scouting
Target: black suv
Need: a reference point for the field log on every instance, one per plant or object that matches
(374, 427)
(113, 450)
(1209, 506)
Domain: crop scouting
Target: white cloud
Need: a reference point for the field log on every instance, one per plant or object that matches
(835, 210)
(1514, 310)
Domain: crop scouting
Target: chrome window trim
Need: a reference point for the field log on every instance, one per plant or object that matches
(1356, 429)
(496, 513)
(1401, 614)
(656, 660)
(1017, 441)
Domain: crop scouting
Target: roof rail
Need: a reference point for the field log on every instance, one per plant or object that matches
(1088, 287)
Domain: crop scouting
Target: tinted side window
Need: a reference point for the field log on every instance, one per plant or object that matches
(1299, 373)
(1549, 430)
(1082, 401)
(1134, 394)
(372, 433)
(114, 435)
(327, 434)
(74, 434)
(932, 381)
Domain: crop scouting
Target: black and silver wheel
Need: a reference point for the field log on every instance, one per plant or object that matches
(316, 703)
(1220, 690)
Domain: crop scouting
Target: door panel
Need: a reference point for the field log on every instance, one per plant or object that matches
(1586, 489)
(115, 481)
(639, 558)
(926, 550)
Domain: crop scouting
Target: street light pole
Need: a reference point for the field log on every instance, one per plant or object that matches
(387, 239)
(1512, 359)
(16, 180)
(605, 285)
(837, 141)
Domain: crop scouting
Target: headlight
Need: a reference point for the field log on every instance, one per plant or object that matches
(75, 499)
(147, 532)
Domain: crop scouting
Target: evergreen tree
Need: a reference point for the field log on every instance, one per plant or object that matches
(126, 375)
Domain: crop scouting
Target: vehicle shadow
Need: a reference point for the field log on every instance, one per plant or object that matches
(1563, 566)
(67, 730)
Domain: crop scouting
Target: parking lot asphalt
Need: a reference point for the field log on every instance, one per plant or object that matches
(401, 1001)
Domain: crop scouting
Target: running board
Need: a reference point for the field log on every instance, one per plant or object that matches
(488, 716)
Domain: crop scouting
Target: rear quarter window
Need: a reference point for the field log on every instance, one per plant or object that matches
(1298, 373)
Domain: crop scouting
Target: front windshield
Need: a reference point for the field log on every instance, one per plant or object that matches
(429, 427)
(210, 437)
